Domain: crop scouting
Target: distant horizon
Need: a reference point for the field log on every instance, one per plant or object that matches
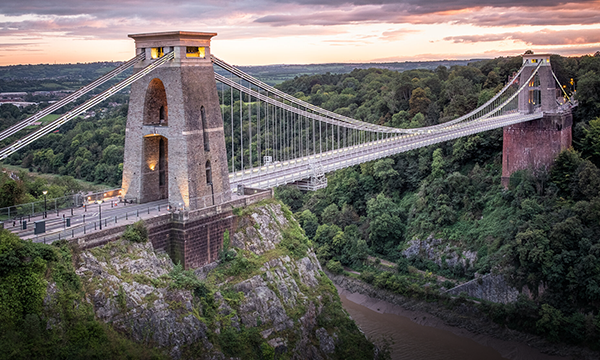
(278, 64)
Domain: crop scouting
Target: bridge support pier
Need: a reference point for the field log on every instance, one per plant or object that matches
(535, 144)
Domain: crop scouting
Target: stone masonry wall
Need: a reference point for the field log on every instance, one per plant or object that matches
(192, 238)
(197, 243)
(535, 144)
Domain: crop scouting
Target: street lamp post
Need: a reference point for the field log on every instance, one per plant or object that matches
(45, 207)
(100, 212)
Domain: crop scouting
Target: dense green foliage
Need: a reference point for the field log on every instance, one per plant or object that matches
(543, 231)
(89, 149)
(21, 187)
(38, 321)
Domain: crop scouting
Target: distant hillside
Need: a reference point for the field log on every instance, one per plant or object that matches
(72, 76)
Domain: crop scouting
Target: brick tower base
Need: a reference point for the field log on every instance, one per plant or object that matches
(535, 144)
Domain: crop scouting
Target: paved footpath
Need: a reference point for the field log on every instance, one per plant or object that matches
(86, 219)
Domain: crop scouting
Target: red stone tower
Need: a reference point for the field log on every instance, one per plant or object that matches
(535, 144)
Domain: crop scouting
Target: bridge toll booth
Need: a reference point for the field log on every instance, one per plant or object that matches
(174, 142)
(535, 144)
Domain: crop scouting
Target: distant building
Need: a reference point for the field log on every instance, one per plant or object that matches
(18, 103)
(12, 96)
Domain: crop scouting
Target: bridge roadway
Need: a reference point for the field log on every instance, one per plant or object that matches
(86, 219)
(290, 171)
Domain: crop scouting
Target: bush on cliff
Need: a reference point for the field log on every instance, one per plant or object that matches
(335, 267)
(137, 232)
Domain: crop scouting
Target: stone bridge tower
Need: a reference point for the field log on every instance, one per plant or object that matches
(535, 144)
(174, 142)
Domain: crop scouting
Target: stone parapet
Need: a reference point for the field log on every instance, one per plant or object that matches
(193, 238)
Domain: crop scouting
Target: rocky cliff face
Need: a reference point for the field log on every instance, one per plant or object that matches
(268, 299)
(130, 287)
(489, 287)
(440, 253)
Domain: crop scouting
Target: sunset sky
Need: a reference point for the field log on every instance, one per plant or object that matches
(300, 31)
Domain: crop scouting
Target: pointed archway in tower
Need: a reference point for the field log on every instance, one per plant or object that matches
(155, 171)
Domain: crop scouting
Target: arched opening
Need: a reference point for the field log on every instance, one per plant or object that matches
(162, 117)
(208, 173)
(155, 171)
(204, 129)
(156, 109)
(209, 180)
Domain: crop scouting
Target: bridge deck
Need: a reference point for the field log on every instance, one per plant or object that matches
(286, 172)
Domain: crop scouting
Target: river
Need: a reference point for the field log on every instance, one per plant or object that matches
(421, 336)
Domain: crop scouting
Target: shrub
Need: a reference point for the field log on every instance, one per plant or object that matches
(448, 284)
(186, 279)
(402, 265)
(335, 267)
(367, 276)
(295, 242)
(226, 254)
(137, 232)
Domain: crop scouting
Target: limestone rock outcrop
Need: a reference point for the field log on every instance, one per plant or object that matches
(275, 289)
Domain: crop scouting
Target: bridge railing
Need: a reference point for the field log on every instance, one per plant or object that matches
(55, 205)
(83, 224)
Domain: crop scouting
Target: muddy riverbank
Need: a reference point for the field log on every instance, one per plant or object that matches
(464, 322)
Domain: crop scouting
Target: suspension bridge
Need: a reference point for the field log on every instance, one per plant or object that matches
(200, 129)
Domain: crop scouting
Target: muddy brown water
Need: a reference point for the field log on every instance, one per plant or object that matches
(421, 336)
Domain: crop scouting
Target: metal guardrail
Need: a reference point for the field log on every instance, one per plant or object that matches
(55, 205)
(83, 225)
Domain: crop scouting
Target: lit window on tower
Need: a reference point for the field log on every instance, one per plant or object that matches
(194, 51)
(156, 53)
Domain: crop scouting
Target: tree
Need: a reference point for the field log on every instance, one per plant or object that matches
(563, 171)
(385, 225)
(112, 155)
(419, 102)
(330, 214)
(10, 193)
(383, 169)
(290, 195)
(325, 234)
(590, 144)
(309, 223)
(437, 164)
(588, 94)
(492, 80)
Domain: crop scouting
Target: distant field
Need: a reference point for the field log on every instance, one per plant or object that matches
(48, 118)
(45, 120)
(275, 74)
